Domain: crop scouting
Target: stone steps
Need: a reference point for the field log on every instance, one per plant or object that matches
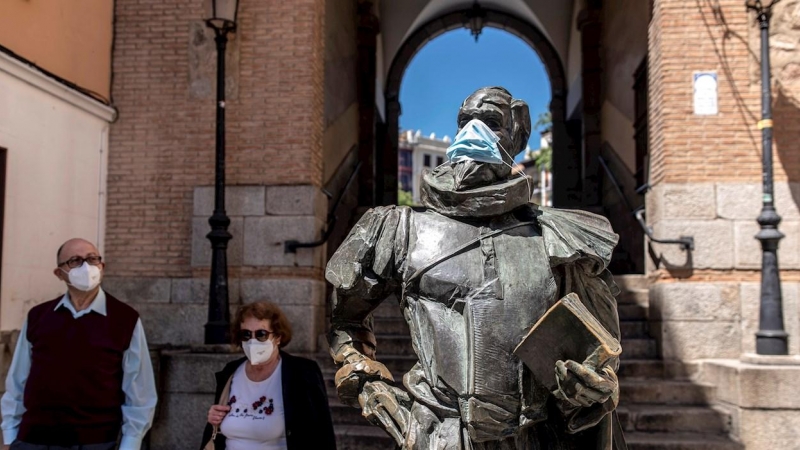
(635, 297)
(362, 437)
(391, 325)
(654, 368)
(665, 392)
(634, 329)
(673, 419)
(629, 312)
(639, 348)
(629, 283)
(680, 441)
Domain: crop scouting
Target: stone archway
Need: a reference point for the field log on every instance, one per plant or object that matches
(566, 158)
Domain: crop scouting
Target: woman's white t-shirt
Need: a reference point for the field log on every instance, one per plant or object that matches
(255, 421)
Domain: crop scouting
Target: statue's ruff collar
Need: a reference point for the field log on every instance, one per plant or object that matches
(439, 193)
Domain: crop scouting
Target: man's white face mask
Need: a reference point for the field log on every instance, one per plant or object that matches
(85, 278)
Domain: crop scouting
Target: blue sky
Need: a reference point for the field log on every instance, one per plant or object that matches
(452, 66)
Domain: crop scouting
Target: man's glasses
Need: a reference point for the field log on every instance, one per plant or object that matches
(261, 335)
(77, 261)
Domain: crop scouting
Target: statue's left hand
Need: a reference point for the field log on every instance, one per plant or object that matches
(583, 385)
(387, 407)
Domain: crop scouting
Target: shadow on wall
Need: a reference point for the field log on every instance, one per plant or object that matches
(677, 268)
(786, 118)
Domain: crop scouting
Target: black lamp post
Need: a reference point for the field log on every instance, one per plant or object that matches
(223, 20)
(476, 20)
(771, 339)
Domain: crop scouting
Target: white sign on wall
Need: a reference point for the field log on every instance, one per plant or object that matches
(705, 93)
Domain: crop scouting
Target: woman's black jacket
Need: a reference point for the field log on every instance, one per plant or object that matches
(305, 404)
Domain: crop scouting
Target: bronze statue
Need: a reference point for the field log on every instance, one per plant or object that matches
(474, 270)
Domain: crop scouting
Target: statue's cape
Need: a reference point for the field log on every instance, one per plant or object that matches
(573, 235)
(570, 236)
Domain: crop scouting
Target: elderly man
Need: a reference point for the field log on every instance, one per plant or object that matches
(81, 371)
(474, 270)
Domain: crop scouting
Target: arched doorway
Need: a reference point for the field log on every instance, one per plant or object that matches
(566, 164)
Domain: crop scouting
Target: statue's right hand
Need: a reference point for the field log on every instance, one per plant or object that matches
(387, 407)
(351, 377)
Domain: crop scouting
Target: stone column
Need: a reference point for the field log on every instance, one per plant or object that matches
(388, 157)
(589, 25)
(368, 27)
(566, 156)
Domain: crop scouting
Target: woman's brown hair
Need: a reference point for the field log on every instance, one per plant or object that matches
(262, 311)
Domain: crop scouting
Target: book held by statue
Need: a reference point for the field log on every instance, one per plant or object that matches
(566, 331)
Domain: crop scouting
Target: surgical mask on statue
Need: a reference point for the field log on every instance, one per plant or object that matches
(258, 352)
(85, 278)
(476, 142)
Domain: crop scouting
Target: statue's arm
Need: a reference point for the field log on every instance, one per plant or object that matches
(580, 245)
(597, 392)
(362, 272)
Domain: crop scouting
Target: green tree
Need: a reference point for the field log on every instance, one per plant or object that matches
(544, 122)
(544, 160)
(404, 198)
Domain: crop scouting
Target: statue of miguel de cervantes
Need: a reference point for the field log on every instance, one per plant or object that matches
(474, 270)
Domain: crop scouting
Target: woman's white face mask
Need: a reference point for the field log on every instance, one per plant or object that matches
(258, 352)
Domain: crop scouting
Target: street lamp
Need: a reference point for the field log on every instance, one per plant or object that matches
(771, 339)
(223, 20)
(476, 17)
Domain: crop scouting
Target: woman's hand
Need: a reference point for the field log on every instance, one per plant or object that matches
(217, 413)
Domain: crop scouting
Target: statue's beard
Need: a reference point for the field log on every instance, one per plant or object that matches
(469, 174)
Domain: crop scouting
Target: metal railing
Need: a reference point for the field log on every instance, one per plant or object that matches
(292, 246)
(686, 242)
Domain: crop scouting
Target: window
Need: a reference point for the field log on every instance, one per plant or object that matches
(426, 160)
(405, 158)
(439, 160)
(405, 182)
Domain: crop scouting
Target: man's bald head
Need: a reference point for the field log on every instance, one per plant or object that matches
(73, 247)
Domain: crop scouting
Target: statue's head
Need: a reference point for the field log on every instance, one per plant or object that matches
(508, 118)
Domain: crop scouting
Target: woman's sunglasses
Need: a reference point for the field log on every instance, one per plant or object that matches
(261, 335)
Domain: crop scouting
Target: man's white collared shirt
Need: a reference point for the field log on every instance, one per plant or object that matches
(137, 380)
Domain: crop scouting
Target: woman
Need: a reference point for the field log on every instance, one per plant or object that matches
(276, 401)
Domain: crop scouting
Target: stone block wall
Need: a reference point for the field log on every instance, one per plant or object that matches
(702, 320)
(187, 387)
(175, 309)
(722, 218)
(162, 145)
(761, 399)
(705, 303)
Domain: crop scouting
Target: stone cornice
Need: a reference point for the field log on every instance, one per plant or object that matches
(41, 81)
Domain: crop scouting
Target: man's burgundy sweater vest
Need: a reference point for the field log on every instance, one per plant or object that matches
(74, 391)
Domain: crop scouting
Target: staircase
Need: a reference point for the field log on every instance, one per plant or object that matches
(660, 407)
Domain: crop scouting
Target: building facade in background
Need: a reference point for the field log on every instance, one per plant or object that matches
(55, 119)
(533, 165)
(417, 153)
(312, 103)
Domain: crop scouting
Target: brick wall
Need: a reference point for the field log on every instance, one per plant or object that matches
(721, 36)
(162, 146)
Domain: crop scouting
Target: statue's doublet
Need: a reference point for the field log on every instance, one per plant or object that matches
(468, 312)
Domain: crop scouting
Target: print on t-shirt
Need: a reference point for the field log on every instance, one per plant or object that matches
(256, 419)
